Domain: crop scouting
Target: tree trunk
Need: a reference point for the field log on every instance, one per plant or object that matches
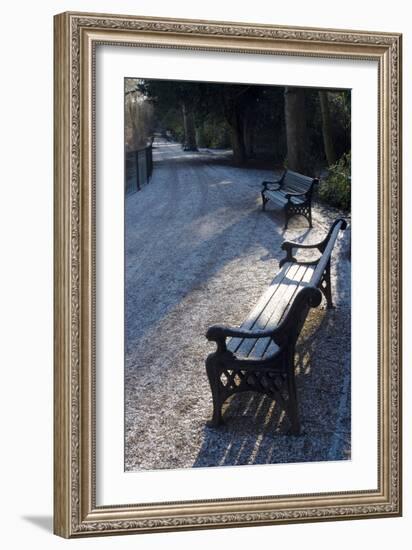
(234, 118)
(295, 121)
(236, 136)
(327, 128)
(190, 129)
(249, 135)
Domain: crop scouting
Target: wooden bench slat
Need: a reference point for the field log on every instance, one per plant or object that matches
(261, 345)
(274, 310)
(233, 343)
(301, 183)
(275, 304)
(295, 176)
(277, 197)
(276, 307)
(289, 188)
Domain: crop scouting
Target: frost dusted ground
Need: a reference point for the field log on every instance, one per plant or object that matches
(200, 251)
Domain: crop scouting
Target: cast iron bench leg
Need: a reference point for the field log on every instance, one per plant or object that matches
(287, 218)
(326, 286)
(212, 374)
(293, 406)
(310, 217)
(264, 200)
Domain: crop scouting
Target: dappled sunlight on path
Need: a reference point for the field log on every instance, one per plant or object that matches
(200, 251)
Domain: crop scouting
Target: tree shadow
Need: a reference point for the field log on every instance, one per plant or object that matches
(277, 218)
(210, 255)
(201, 260)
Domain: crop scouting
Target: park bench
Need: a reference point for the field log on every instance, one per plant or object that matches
(259, 356)
(292, 192)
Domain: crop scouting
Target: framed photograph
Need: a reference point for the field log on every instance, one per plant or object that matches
(227, 274)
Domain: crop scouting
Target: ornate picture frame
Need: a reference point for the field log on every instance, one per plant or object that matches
(76, 512)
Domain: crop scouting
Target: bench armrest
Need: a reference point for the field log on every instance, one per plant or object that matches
(219, 332)
(288, 246)
(277, 183)
(267, 185)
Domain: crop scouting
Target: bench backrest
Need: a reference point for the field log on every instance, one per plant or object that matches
(293, 182)
(327, 246)
(310, 295)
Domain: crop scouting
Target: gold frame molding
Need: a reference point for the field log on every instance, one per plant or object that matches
(75, 38)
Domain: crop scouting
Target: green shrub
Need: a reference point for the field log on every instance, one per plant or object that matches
(335, 189)
(213, 134)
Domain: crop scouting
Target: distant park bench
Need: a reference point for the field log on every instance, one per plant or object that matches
(292, 192)
(259, 356)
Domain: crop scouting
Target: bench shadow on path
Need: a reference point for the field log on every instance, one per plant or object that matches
(255, 429)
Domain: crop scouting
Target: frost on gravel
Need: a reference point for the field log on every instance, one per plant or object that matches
(198, 251)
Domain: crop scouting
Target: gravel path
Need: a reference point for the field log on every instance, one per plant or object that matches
(200, 251)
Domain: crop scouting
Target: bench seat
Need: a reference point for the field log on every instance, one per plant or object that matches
(272, 306)
(279, 198)
(259, 355)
